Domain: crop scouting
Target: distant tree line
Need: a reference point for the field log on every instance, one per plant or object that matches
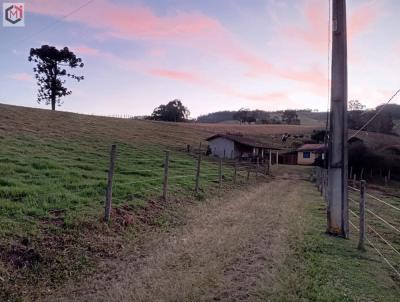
(358, 116)
(247, 116)
(175, 111)
(251, 116)
(217, 117)
(289, 117)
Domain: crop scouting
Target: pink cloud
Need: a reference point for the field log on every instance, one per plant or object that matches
(362, 18)
(127, 21)
(21, 77)
(85, 50)
(191, 29)
(270, 97)
(197, 79)
(314, 32)
(191, 78)
(156, 52)
(177, 75)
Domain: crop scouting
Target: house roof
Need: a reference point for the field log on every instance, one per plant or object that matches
(312, 147)
(244, 140)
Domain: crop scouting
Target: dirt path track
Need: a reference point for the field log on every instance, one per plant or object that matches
(229, 250)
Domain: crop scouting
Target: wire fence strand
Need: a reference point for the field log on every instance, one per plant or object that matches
(377, 199)
(378, 251)
(378, 217)
(379, 235)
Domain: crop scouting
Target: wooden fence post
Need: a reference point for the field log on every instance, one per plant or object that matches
(166, 167)
(107, 208)
(220, 172)
(389, 172)
(198, 171)
(257, 167)
(351, 171)
(277, 158)
(354, 180)
(322, 182)
(326, 184)
(235, 173)
(386, 181)
(362, 174)
(317, 177)
(248, 173)
(270, 158)
(362, 216)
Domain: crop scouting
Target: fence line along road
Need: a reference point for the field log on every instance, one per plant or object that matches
(378, 217)
(122, 176)
(377, 250)
(170, 166)
(378, 234)
(377, 199)
(319, 179)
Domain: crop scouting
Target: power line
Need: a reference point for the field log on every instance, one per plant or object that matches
(375, 115)
(53, 23)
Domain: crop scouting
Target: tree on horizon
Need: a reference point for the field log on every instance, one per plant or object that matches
(51, 65)
(174, 111)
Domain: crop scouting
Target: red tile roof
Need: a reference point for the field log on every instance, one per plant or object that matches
(244, 140)
(312, 147)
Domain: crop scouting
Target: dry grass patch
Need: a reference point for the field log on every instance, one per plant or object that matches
(229, 250)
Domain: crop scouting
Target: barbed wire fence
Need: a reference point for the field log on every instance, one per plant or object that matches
(125, 176)
(175, 174)
(377, 221)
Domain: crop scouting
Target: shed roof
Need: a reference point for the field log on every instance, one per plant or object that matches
(244, 140)
(312, 147)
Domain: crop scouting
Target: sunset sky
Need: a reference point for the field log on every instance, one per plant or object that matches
(212, 54)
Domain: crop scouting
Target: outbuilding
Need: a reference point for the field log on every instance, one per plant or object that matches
(308, 153)
(239, 146)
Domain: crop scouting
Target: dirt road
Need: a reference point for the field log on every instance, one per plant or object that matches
(230, 249)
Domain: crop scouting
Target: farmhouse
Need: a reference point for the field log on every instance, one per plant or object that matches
(308, 153)
(238, 146)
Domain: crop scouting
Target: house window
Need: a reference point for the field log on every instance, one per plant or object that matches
(307, 154)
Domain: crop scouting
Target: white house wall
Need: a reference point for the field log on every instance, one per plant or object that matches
(221, 146)
(306, 161)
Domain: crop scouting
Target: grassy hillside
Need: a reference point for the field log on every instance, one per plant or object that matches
(52, 189)
(53, 174)
(53, 181)
(312, 118)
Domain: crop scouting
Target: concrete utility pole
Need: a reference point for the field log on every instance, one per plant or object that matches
(338, 223)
